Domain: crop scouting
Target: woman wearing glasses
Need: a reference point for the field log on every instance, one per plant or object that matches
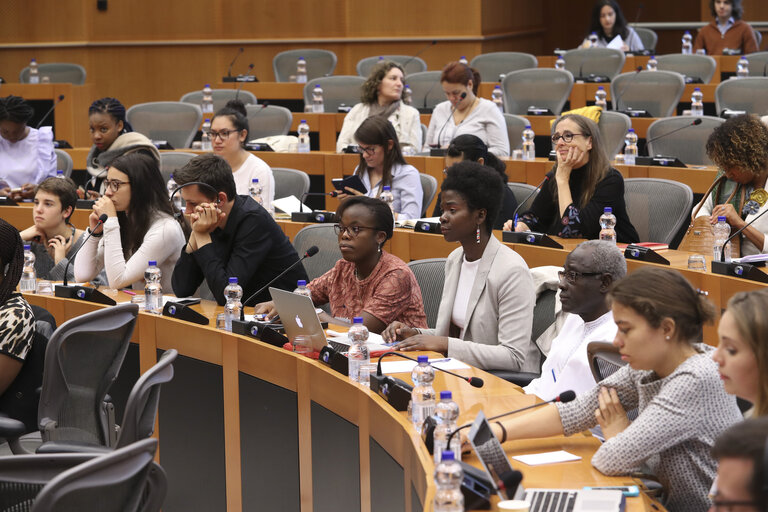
(229, 132)
(140, 226)
(368, 281)
(581, 185)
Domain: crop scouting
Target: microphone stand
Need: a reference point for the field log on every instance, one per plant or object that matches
(55, 104)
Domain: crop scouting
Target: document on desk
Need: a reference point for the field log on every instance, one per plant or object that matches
(407, 366)
(537, 459)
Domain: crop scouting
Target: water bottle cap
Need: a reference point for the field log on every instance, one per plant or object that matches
(301, 282)
(33, 60)
(152, 263)
(303, 120)
(497, 87)
(381, 57)
(721, 218)
(171, 176)
(653, 56)
(408, 87)
(386, 187)
(607, 209)
(232, 280)
(446, 395)
(207, 120)
(255, 180)
(422, 359)
(697, 89)
(601, 88)
(527, 127)
(687, 33)
(207, 85)
(632, 130)
(357, 320)
(317, 86)
(448, 455)
(27, 247)
(59, 172)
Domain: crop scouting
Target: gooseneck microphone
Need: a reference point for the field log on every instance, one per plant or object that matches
(245, 79)
(695, 122)
(102, 220)
(514, 215)
(418, 53)
(473, 381)
(615, 101)
(229, 69)
(55, 103)
(450, 117)
(178, 214)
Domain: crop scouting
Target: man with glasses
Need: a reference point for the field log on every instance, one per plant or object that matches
(589, 271)
(232, 236)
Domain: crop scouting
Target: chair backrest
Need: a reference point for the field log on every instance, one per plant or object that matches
(290, 182)
(430, 274)
(604, 359)
(64, 162)
(758, 63)
(57, 72)
(515, 126)
(657, 208)
(594, 61)
(429, 190)
(689, 144)
(171, 161)
(267, 120)
(220, 98)
(425, 89)
(758, 37)
(82, 360)
(543, 313)
(319, 63)
(324, 237)
(521, 191)
(750, 94)
(141, 408)
(337, 90)
(410, 64)
(491, 65)
(424, 131)
(540, 87)
(657, 92)
(689, 65)
(648, 37)
(613, 127)
(173, 121)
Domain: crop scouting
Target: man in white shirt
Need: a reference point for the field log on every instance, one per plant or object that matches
(589, 271)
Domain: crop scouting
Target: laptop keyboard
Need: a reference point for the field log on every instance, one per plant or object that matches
(341, 348)
(551, 501)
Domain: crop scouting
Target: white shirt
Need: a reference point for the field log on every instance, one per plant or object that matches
(255, 167)
(30, 160)
(406, 187)
(567, 366)
(467, 276)
(162, 243)
(485, 121)
(405, 120)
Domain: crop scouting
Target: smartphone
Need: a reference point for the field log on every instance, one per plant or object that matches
(630, 491)
(353, 181)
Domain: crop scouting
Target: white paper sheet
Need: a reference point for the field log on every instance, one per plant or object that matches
(407, 366)
(289, 205)
(537, 459)
(616, 43)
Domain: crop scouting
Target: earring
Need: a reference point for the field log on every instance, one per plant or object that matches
(668, 338)
(379, 248)
(477, 235)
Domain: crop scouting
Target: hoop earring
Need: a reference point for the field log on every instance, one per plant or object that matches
(477, 235)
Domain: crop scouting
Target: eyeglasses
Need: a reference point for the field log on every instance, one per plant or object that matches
(367, 150)
(352, 230)
(223, 134)
(567, 137)
(115, 185)
(571, 276)
(729, 506)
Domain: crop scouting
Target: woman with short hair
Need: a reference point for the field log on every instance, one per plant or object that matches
(726, 31)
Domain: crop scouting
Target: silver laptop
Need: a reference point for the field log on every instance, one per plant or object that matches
(297, 312)
(496, 463)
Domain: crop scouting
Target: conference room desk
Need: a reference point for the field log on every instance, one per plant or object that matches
(248, 426)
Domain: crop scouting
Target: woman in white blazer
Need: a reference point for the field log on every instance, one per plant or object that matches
(486, 311)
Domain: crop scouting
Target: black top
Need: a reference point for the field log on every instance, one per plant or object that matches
(251, 247)
(544, 215)
(508, 207)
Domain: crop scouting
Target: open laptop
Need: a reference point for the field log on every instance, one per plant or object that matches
(496, 463)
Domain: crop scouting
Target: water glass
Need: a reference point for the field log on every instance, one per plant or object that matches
(44, 287)
(366, 371)
(221, 321)
(517, 154)
(697, 262)
(302, 345)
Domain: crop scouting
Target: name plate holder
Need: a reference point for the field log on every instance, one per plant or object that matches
(741, 270)
(640, 253)
(529, 238)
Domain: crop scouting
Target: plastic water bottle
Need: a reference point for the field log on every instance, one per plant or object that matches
(593, 40)
(608, 225)
(172, 186)
(653, 64)
(317, 100)
(153, 291)
(359, 355)
(687, 43)
(447, 412)
(423, 394)
(560, 62)
(301, 288)
(742, 67)
(389, 198)
(630, 147)
(697, 102)
(205, 141)
(407, 95)
(207, 105)
(448, 478)
(28, 282)
(60, 174)
(463, 60)
(600, 96)
(233, 294)
(303, 137)
(255, 191)
(497, 96)
(722, 231)
(529, 148)
(34, 73)
(301, 71)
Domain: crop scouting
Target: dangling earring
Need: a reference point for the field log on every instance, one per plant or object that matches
(380, 248)
(477, 235)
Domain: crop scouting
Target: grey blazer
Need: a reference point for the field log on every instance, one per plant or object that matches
(499, 312)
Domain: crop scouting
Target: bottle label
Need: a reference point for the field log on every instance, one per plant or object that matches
(420, 412)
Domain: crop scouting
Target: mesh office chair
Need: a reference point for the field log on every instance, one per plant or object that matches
(173, 121)
(758, 63)
(220, 98)
(648, 37)
(583, 62)
(58, 72)
(515, 126)
(267, 120)
(426, 92)
(124, 480)
(319, 63)
(657, 208)
(409, 64)
(749, 94)
(689, 65)
(540, 87)
(171, 161)
(337, 90)
(689, 145)
(605, 360)
(613, 127)
(657, 92)
(324, 237)
(430, 274)
(491, 65)
(429, 190)
(521, 191)
(64, 162)
(290, 182)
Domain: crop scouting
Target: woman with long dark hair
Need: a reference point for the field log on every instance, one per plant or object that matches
(607, 22)
(140, 226)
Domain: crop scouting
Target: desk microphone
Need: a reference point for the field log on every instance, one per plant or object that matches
(178, 214)
(245, 79)
(229, 69)
(426, 96)
(738, 232)
(476, 382)
(102, 220)
(514, 215)
(637, 15)
(58, 100)
(418, 53)
(450, 117)
(508, 483)
(615, 100)
(695, 122)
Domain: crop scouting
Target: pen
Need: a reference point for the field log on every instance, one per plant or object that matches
(447, 359)
(514, 225)
(553, 375)
(129, 292)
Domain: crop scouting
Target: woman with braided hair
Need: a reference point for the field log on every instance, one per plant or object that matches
(17, 324)
(26, 154)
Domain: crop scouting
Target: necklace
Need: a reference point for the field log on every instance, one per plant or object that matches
(357, 274)
(465, 113)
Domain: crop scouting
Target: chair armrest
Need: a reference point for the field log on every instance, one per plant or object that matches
(11, 428)
(520, 378)
(57, 447)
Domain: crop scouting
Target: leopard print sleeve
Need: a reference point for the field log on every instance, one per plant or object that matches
(17, 327)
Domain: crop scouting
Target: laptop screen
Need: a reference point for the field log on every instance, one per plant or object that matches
(490, 452)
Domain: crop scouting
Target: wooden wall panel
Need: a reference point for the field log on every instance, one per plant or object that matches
(25, 21)
(283, 18)
(155, 20)
(414, 18)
